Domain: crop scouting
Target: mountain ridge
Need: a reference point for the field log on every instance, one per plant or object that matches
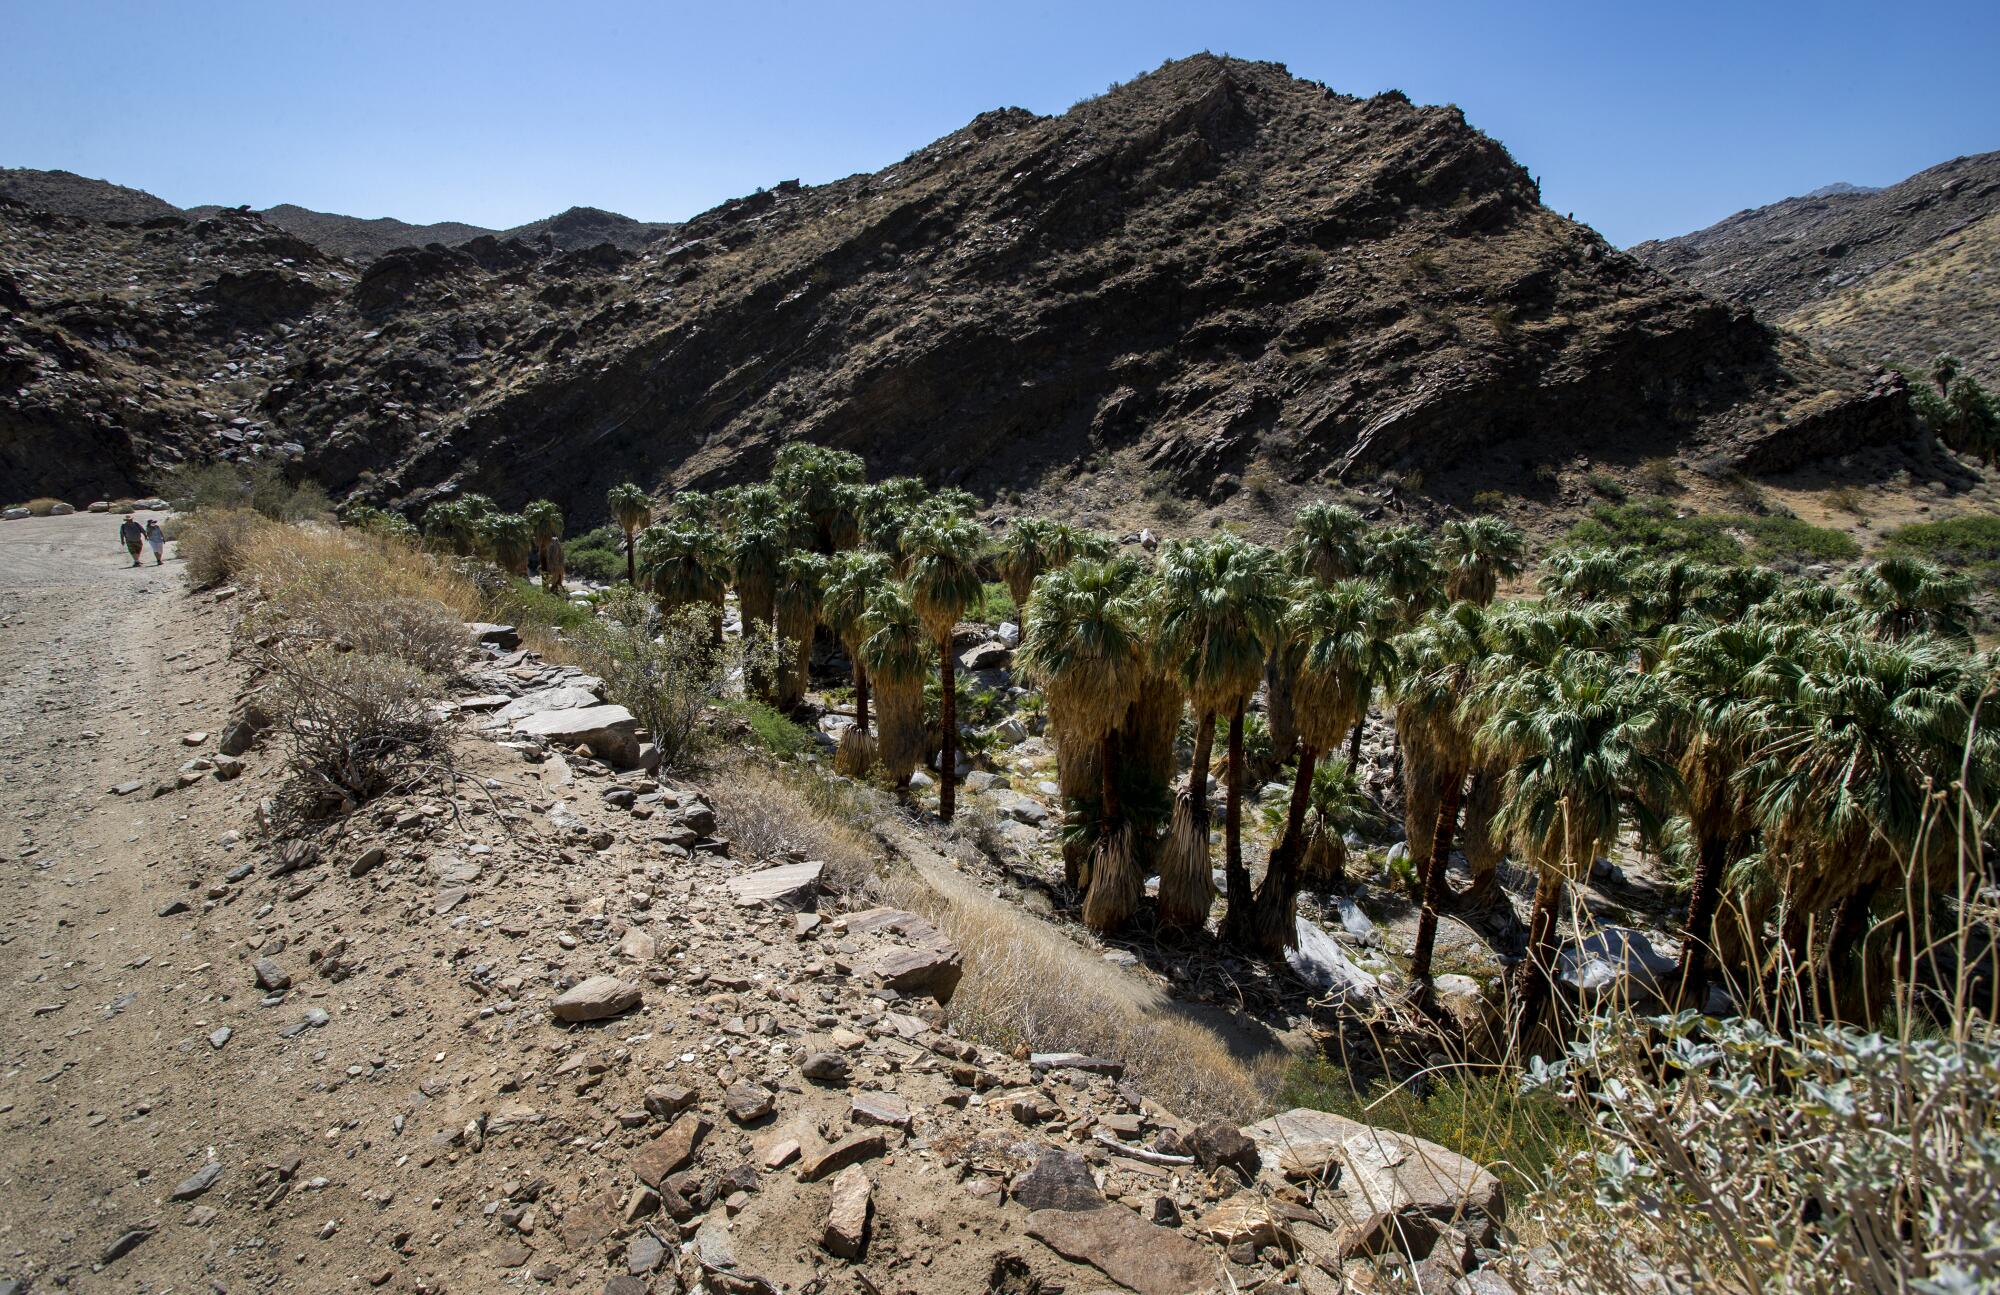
(1891, 275)
(1210, 278)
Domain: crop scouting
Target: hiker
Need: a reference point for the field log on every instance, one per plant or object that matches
(552, 565)
(156, 538)
(133, 535)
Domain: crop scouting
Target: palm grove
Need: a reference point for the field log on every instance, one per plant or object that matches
(1799, 753)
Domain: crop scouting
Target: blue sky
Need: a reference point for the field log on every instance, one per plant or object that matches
(1643, 119)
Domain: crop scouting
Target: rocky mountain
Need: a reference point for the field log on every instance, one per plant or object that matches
(1892, 275)
(352, 236)
(1215, 274)
(75, 195)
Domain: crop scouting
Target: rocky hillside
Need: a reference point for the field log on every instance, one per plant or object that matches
(1892, 275)
(75, 195)
(1214, 275)
(352, 236)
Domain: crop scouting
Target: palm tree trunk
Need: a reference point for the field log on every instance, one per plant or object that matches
(1354, 744)
(631, 567)
(1276, 924)
(1536, 974)
(1186, 889)
(1115, 884)
(1703, 896)
(861, 696)
(1236, 923)
(948, 717)
(1435, 881)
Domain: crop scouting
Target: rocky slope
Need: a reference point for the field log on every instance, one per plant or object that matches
(543, 1024)
(1893, 275)
(1214, 274)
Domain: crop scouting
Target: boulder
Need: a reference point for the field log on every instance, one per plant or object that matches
(610, 731)
(791, 887)
(1320, 960)
(596, 998)
(987, 656)
(504, 637)
(568, 696)
(1614, 962)
(1020, 808)
(1378, 1170)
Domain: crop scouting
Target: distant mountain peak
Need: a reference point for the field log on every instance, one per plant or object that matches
(1839, 188)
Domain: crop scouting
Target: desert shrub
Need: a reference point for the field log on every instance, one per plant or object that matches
(1653, 526)
(42, 506)
(528, 606)
(1489, 501)
(1848, 499)
(1783, 538)
(768, 812)
(215, 542)
(355, 725)
(596, 555)
(667, 674)
(1660, 476)
(1741, 490)
(1970, 544)
(359, 592)
(772, 730)
(1606, 486)
(1724, 1155)
(261, 487)
(996, 604)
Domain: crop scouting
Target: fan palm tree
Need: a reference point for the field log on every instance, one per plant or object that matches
(1720, 680)
(884, 512)
(820, 482)
(1907, 596)
(852, 579)
(683, 564)
(1220, 603)
(1581, 739)
(895, 651)
(1588, 575)
(755, 546)
(944, 551)
(1328, 542)
(801, 577)
(1477, 553)
(1025, 551)
(1083, 644)
(631, 510)
(1404, 560)
(1342, 634)
(547, 521)
(509, 538)
(1855, 774)
(1440, 661)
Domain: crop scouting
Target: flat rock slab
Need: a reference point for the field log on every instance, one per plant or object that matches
(670, 1153)
(597, 998)
(848, 1151)
(541, 702)
(197, 1182)
(1149, 1259)
(1378, 1169)
(885, 1109)
(504, 637)
(793, 887)
(846, 1234)
(610, 731)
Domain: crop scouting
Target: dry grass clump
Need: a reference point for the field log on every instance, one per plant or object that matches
(42, 506)
(1026, 984)
(356, 726)
(361, 592)
(213, 544)
(767, 811)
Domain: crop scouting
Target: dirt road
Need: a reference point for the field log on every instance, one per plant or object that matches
(107, 669)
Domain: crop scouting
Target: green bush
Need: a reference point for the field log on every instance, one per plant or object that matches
(597, 556)
(996, 604)
(1968, 544)
(667, 673)
(771, 729)
(1603, 483)
(1781, 537)
(1652, 526)
(260, 486)
(1482, 1115)
(525, 606)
